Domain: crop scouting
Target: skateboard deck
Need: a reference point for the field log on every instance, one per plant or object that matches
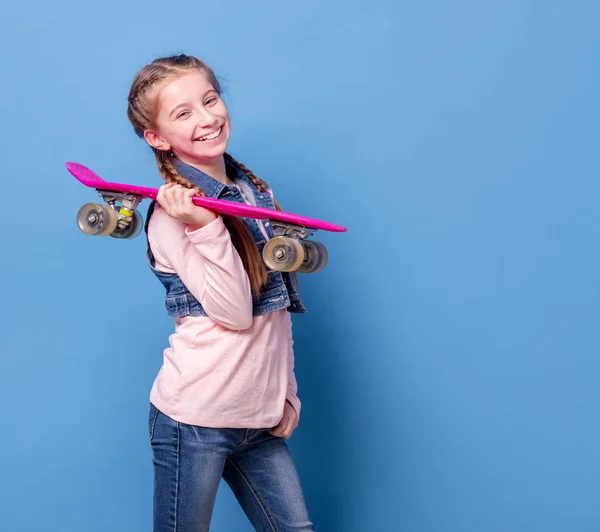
(289, 250)
(93, 180)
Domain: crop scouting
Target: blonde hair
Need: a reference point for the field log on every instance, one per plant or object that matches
(140, 111)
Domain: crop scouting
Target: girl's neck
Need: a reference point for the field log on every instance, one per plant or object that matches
(215, 168)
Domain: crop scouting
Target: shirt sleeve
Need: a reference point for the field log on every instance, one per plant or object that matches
(208, 265)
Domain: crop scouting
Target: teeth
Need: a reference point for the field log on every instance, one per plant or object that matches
(211, 136)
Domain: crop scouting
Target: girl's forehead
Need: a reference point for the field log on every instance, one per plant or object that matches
(182, 85)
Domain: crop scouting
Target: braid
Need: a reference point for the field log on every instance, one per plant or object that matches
(258, 183)
(138, 111)
(262, 186)
(240, 235)
(138, 89)
(170, 175)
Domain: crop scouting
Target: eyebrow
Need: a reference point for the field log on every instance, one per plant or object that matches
(184, 104)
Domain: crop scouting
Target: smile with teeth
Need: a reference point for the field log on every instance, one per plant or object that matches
(212, 136)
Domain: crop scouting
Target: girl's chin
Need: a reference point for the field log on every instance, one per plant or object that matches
(201, 156)
(209, 154)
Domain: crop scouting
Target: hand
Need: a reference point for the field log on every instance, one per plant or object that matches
(288, 422)
(177, 201)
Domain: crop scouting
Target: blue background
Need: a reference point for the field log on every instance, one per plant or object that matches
(449, 364)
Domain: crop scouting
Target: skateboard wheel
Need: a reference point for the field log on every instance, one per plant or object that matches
(315, 257)
(97, 219)
(133, 228)
(283, 254)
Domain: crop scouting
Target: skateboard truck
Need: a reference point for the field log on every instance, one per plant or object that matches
(286, 229)
(289, 251)
(110, 219)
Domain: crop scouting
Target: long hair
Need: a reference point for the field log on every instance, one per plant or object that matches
(141, 113)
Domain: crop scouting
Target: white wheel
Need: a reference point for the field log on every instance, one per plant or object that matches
(132, 230)
(315, 257)
(97, 219)
(283, 254)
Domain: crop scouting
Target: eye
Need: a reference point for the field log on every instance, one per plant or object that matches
(182, 114)
(210, 100)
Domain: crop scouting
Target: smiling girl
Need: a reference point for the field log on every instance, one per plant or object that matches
(224, 401)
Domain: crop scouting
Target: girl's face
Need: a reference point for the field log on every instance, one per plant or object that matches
(191, 120)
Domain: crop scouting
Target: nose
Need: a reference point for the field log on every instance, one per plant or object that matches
(206, 119)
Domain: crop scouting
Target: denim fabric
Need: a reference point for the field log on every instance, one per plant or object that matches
(278, 293)
(189, 462)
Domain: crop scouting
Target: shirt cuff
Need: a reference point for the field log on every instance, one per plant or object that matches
(212, 229)
(295, 402)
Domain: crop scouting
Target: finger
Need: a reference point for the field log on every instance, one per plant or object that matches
(288, 429)
(162, 197)
(163, 189)
(181, 194)
(174, 195)
(161, 193)
(293, 424)
(187, 199)
(293, 414)
(281, 428)
(276, 430)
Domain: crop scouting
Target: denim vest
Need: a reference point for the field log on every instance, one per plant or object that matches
(278, 293)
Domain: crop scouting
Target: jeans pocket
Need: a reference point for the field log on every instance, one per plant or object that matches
(152, 421)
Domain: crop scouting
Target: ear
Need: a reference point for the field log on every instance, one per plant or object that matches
(156, 141)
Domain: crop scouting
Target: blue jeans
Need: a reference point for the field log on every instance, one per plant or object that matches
(189, 462)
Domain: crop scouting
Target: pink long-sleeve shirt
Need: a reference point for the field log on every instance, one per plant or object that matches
(226, 369)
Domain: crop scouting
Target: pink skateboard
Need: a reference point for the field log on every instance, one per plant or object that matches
(289, 250)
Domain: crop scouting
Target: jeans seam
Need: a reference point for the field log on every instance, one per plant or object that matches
(176, 481)
(244, 440)
(256, 493)
(153, 424)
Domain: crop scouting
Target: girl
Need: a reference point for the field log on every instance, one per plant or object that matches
(224, 400)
